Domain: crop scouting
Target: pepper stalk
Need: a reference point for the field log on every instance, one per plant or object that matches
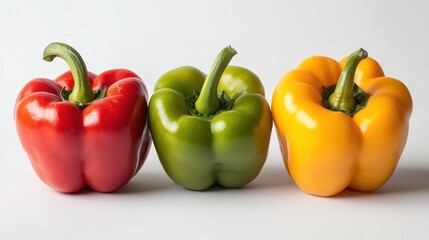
(82, 93)
(343, 98)
(208, 102)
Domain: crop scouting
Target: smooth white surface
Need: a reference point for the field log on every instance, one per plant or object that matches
(271, 37)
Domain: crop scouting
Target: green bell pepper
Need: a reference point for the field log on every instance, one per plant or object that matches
(213, 129)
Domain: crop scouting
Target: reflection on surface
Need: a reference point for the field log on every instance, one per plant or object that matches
(290, 105)
(169, 124)
(305, 119)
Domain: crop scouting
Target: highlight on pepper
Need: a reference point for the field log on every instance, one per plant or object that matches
(83, 130)
(341, 124)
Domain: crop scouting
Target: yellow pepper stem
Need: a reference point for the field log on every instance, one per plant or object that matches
(342, 99)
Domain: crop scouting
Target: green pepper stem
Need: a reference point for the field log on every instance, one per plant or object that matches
(342, 98)
(82, 92)
(208, 102)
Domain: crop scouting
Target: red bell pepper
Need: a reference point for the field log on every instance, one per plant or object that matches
(81, 129)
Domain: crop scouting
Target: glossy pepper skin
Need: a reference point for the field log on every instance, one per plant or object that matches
(327, 150)
(228, 144)
(96, 141)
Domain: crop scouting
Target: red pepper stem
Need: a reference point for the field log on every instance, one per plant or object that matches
(82, 92)
(208, 102)
(342, 98)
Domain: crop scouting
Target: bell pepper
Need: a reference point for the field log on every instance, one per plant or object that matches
(210, 129)
(342, 124)
(81, 129)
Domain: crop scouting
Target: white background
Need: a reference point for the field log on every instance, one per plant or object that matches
(271, 37)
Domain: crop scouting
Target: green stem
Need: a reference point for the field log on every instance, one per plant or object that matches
(208, 102)
(342, 98)
(82, 92)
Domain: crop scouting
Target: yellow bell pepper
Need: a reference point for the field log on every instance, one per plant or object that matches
(342, 124)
